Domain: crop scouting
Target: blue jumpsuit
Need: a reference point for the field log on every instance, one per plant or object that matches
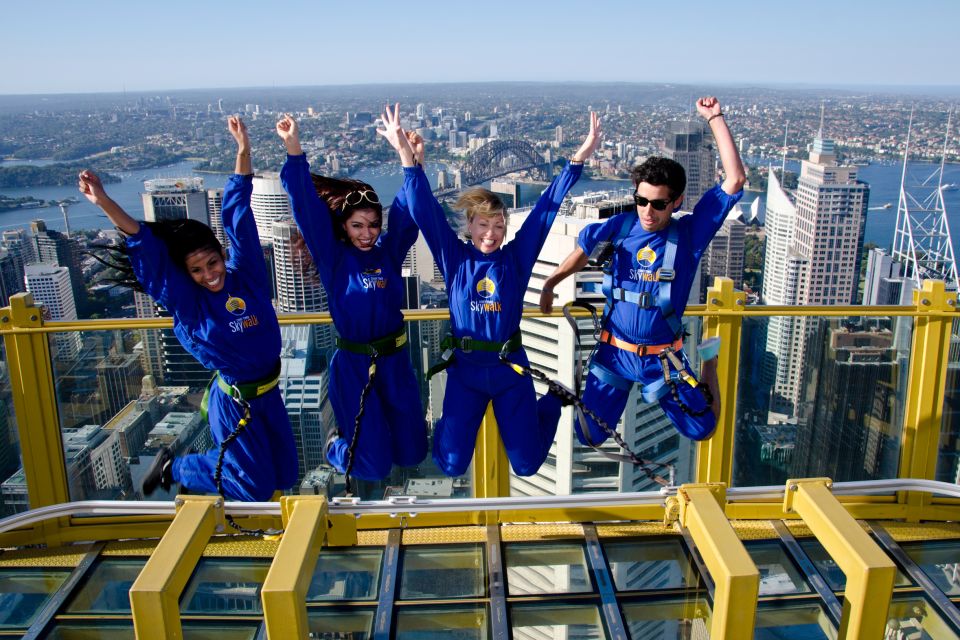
(485, 293)
(634, 266)
(234, 331)
(365, 294)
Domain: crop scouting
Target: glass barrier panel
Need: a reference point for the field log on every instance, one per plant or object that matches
(789, 621)
(645, 564)
(123, 630)
(948, 460)
(225, 586)
(831, 572)
(530, 621)
(105, 589)
(122, 395)
(916, 618)
(337, 623)
(940, 560)
(13, 483)
(442, 572)
(349, 574)
(778, 574)
(821, 397)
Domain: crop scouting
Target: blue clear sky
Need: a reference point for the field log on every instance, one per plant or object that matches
(53, 46)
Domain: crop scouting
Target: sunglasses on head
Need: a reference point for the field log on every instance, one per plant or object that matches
(357, 197)
(659, 205)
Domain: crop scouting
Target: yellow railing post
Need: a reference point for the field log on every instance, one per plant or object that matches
(155, 594)
(736, 579)
(491, 469)
(869, 571)
(715, 455)
(34, 401)
(284, 591)
(926, 386)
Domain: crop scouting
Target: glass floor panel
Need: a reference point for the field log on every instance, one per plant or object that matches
(442, 572)
(915, 618)
(940, 560)
(435, 623)
(667, 619)
(538, 568)
(123, 630)
(805, 621)
(350, 574)
(106, 588)
(639, 565)
(829, 569)
(225, 586)
(336, 624)
(778, 574)
(553, 620)
(23, 592)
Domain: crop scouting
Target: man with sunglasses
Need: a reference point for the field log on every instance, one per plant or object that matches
(649, 275)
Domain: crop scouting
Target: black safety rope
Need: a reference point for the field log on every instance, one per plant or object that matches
(372, 372)
(666, 356)
(218, 471)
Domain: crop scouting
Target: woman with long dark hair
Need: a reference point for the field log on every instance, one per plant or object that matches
(375, 395)
(223, 315)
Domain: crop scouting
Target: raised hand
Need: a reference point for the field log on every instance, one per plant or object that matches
(592, 141)
(289, 132)
(416, 143)
(708, 106)
(239, 132)
(396, 136)
(91, 187)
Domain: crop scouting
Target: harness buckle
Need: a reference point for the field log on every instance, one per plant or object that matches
(505, 350)
(665, 275)
(645, 300)
(466, 343)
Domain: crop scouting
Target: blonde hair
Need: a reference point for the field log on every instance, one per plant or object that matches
(480, 202)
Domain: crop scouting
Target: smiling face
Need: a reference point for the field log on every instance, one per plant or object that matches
(207, 269)
(652, 219)
(487, 232)
(363, 228)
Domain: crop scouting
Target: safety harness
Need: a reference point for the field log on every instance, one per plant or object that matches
(468, 344)
(384, 346)
(604, 256)
(242, 394)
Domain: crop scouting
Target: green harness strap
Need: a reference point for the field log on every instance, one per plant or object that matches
(381, 346)
(243, 390)
(468, 344)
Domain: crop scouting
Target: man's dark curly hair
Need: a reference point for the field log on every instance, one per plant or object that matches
(658, 171)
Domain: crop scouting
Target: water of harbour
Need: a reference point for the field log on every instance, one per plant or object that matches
(884, 181)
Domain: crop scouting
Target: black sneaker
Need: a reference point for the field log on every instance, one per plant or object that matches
(160, 473)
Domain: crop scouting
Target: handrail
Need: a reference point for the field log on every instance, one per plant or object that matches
(411, 506)
(418, 315)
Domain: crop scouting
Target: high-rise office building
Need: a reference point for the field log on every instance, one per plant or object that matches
(53, 247)
(885, 282)
(305, 395)
(51, 287)
(118, 378)
(11, 276)
(175, 199)
(814, 244)
(724, 255)
(690, 143)
(269, 202)
(214, 205)
(298, 285)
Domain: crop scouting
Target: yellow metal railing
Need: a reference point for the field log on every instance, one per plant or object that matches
(32, 387)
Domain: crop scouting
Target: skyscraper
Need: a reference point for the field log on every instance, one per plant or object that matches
(214, 205)
(118, 379)
(53, 247)
(269, 202)
(298, 284)
(175, 199)
(814, 240)
(690, 143)
(50, 286)
(725, 253)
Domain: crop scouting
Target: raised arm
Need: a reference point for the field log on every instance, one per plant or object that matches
(243, 166)
(239, 224)
(591, 142)
(574, 262)
(92, 189)
(310, 211)
(402, 231)
(735, 177)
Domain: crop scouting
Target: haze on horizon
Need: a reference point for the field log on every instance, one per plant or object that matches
(113, 46)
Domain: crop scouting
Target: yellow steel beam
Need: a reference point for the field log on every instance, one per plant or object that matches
(34, 401)
(926, 385)
(734, 573)
(285, 588)
(491, 469)
(715, 455)
(155, 593)
(869, 571)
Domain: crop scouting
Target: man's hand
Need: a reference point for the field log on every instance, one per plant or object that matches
(239, 132)
(592, 141)
(708, 106)
(546, 299)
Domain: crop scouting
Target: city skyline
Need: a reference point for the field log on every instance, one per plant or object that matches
(435, 45)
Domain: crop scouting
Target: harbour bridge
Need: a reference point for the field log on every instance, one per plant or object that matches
(495, 159)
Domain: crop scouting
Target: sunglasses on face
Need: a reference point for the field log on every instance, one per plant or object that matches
(658, 205)
(355, 198)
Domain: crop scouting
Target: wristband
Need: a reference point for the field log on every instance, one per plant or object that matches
(716, 115)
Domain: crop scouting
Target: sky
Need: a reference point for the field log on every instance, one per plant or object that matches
(54, 46)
